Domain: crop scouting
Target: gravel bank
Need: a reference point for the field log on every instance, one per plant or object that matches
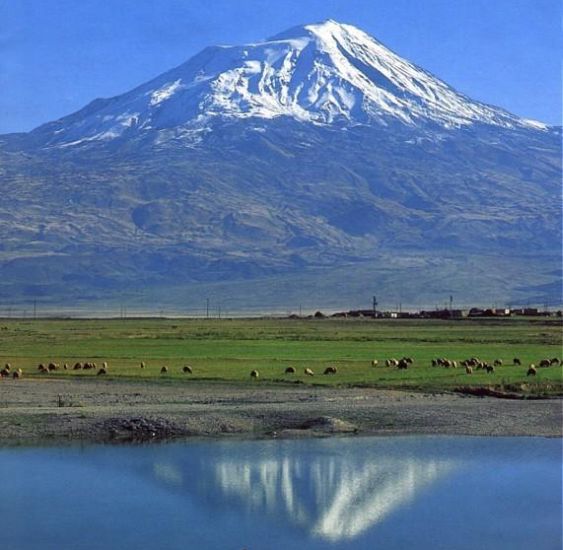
(33, 411)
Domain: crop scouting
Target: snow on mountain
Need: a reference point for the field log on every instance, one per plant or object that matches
(322, 73)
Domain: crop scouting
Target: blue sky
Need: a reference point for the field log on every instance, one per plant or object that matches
(57, 55)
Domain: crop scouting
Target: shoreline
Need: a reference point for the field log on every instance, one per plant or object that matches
(59, 411)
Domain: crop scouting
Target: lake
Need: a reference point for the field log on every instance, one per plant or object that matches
(360, 493)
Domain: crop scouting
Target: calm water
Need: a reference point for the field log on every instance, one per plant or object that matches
(400, 492)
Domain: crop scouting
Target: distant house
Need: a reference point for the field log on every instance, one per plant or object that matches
(390, 314)
(340, 315)
(356, 313)
(444, 314)
(459, 313)
(525, 311)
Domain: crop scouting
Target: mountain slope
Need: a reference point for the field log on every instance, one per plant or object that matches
(322, 73)
(318, 155)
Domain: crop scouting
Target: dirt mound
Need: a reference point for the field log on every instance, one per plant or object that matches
(328, 424)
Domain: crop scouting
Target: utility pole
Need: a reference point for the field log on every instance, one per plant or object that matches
(374, 305)
(451, 302)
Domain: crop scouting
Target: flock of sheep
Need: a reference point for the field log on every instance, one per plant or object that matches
(46, 368)
(292, 370)
(470, 365)
(473, 363)
(7, 371)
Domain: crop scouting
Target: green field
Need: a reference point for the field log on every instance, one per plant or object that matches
(230, 349)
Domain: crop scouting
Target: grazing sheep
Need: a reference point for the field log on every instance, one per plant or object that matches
(309, 372)
(104, 365)
(102, 371)
(374, 363)
(4, 373)
(330, 370)
(468, 369)
(163, 370)
(7, 366)
(516, 361)
(545, 363)
(17, 374)
(490, 369)
(531, 371)
(65, 366)
(254, 374)
(143, 365)
(497, 362)
(53, 366)
(43, 369)
(434, 363)
(40, 367)
(77, 366)
(554, 361)
(454, 364)
(403, 364)
(290, 370)
(187, 369)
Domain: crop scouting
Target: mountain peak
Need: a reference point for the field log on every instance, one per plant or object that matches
(324, 32)
(320, 27)
(319, 73)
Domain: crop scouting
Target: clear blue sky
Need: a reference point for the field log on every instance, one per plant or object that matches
(57, 55)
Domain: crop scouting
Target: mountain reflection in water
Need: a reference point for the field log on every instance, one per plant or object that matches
(331, 495)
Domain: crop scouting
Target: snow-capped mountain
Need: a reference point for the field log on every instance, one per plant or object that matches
(322, 73)
(317, 162)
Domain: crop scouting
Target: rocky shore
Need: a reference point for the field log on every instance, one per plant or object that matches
(57, 410)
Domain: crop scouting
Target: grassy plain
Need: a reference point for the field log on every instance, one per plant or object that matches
(228, 350)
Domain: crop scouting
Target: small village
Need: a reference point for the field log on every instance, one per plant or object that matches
(444, 313)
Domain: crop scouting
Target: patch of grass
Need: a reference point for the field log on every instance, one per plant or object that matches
(229, 349)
